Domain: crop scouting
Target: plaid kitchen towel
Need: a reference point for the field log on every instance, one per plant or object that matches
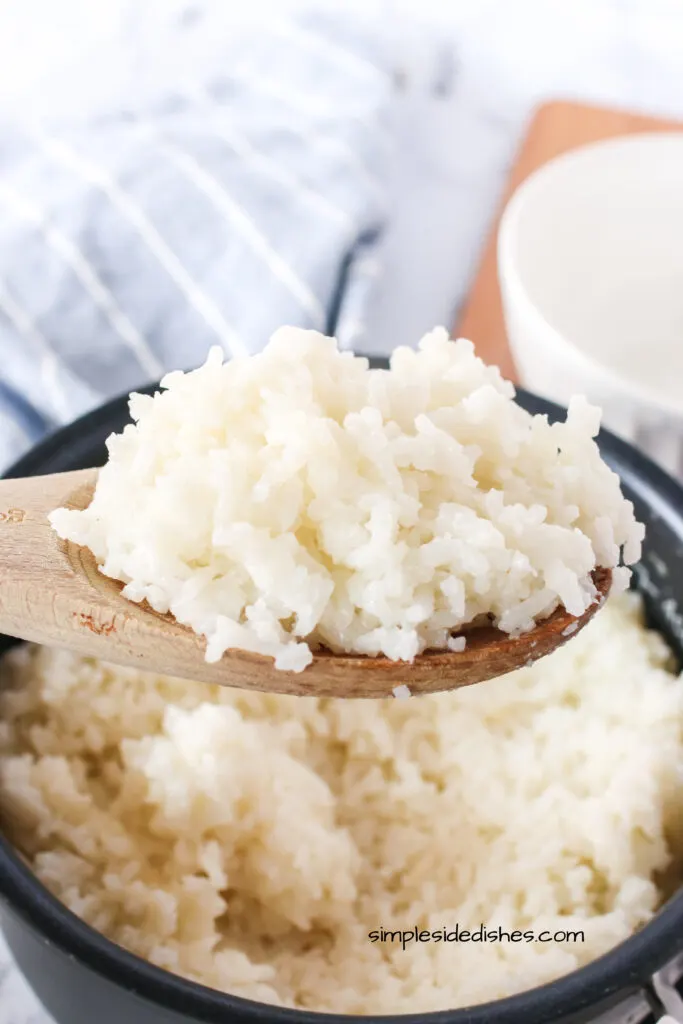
(230, 184)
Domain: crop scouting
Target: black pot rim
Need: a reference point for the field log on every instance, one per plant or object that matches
(613, 976)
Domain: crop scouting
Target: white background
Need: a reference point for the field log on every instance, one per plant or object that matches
(506, 56)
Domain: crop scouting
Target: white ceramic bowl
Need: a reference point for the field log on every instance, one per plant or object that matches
(590, 260)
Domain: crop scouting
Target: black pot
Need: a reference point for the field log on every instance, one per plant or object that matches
(82, 978)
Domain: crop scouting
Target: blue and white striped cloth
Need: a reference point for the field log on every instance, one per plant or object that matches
(213, 209)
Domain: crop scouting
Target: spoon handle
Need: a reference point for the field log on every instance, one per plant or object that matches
(42, 597)
(52, 593)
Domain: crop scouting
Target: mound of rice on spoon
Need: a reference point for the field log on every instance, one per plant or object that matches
(297, 500)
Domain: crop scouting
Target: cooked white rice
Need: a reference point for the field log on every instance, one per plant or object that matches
(252, 842)
(296, 498)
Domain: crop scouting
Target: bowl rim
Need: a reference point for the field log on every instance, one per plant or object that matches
(605, 981)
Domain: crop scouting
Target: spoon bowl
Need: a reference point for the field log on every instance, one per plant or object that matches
(52, 592)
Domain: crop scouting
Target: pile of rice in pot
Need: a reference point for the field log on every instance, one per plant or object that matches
(255, 842)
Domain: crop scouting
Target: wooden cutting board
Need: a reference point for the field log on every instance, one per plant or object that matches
(555, 128)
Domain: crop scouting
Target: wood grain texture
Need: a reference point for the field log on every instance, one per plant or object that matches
(52, 592)
(554, 129)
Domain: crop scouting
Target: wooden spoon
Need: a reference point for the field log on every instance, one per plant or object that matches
(52, 592)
